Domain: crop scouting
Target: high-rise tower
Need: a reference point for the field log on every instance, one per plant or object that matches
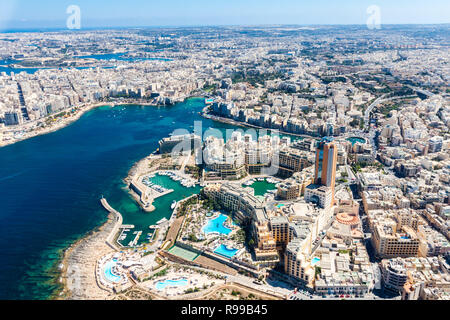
(326, 159)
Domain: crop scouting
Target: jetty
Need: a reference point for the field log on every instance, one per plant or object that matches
(118, 223)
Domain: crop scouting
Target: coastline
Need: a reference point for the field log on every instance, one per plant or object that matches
(131, 175)
(233, 122)
(81, 111)
(77, 274)
(79, 260)
(77, 264)
(64, 123)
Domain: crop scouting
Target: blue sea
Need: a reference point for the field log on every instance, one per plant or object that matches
(50, 187)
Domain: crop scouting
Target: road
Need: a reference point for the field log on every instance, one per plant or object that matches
(370, 135)
(424, 92)
(377, 102)
(370, 108)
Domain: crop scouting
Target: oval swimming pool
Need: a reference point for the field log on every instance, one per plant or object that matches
(171, 283)
(109, 275)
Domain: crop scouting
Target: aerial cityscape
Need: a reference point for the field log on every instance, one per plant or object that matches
(232, 162)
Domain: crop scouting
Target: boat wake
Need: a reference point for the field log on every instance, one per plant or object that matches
(12, 175)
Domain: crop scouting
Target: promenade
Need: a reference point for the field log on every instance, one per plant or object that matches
(118, 223)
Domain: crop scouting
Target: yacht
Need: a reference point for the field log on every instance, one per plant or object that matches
(161, 221)
(172, 206)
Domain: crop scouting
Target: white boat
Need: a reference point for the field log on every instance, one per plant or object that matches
(172, 206)
(161, 221)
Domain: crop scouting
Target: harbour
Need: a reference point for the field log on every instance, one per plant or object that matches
(74, 179)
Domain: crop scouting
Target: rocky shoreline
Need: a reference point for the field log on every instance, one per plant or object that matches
(64, 123)
(79, 264)
(79, 260)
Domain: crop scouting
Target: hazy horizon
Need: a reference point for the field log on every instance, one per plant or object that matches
(48, 14)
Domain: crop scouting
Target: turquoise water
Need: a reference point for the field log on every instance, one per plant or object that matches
(354, 140)
(171, 283)
(224, 251)
(4, 67)
(261, 187)
(217, 225)
(4, 64)
(142, 221)
(280, 205)
(315, 261)
(51, 185)
(8, 70)
(109, 275)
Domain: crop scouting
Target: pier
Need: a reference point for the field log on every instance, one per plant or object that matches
(127, 226)
(117, 225)
(146, 194)
(136, 238)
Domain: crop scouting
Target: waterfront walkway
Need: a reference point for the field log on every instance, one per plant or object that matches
(110, 240)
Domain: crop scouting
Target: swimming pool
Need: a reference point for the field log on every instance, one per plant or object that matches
(109, 275)
(315, 261)
(280, 205)
(223, 250)
(171, 283)
(354, 140)
(216, 226)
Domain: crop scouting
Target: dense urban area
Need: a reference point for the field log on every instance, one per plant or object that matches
(347, 196)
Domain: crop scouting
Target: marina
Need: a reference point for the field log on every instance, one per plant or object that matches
(172, 190)
(262, 186)
(185, 181)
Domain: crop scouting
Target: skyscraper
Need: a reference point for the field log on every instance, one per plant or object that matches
(326, 159)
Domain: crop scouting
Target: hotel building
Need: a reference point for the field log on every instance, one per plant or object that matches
(291, 161)
(322, 191)
(288, 190)
(325, 164)
(245, 206)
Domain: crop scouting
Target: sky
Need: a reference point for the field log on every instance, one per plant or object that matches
(135, 13)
